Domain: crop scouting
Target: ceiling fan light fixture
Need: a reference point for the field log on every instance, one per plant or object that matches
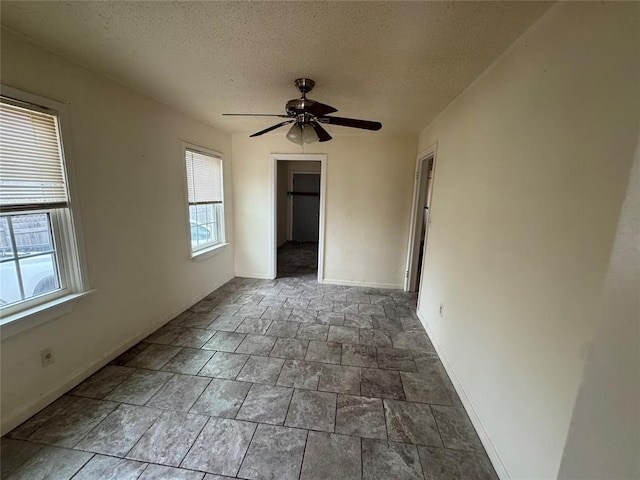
(295, 134)
(309, 134)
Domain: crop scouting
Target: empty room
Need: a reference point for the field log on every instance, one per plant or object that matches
(317, 240)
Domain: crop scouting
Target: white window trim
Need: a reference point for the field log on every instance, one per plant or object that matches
(29, 314)
(218, 248)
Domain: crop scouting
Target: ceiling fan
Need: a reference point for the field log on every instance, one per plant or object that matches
(307, 115)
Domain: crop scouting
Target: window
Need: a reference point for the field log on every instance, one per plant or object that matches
(206, 198)
(39, 260)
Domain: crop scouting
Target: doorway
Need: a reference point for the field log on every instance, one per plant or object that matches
(421, 217)
(297, 225)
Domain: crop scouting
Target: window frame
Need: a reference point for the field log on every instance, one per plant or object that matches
(214, 248)
(65, 229)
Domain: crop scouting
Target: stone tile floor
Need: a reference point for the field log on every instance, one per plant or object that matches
(283, 379)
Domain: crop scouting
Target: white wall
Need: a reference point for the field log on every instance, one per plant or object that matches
(128, 169)
(368, 205)
(604, 437)
(532, 164)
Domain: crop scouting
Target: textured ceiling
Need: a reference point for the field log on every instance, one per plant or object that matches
(399, 63)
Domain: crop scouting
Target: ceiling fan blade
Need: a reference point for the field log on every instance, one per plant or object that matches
(273, 127)
(254, 115)
(352, 122)
(323, 135)
(320, 109)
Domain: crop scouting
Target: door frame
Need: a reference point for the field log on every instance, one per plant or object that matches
(273, 240)
(290, 200)
(417, 215)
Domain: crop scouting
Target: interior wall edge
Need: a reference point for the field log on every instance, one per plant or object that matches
(492, 452)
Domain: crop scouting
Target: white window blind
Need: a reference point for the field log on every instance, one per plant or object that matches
(31, 170)
(204, 177)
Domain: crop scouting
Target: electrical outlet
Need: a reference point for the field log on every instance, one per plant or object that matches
(442, 310)
(46, 356)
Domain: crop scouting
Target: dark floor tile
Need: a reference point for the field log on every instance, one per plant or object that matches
(225, 323)
(291, 348)
(224, 341)
(390, 324)
(222, 398)
(257, 326)
(280, 328)
(342, 334)
(432, 366)
(359, 355)
(249, 300)
(411, 423)
(373, 337)
(340, 379)
(189, 361)
(160, 472)
(360, 416)
(154, 357)
(456, 429)
(418, 341)
(14, 453)
(313, 332)
(169, 439)
(102, 382)
(266, 404)
(381, 300)
(324, 352)
(67, 427)
(220, 447)
(276, 301)
(224, 365)
(390, 460)
(256, 345)
(261, 370)
(297, 303)
(365, 309)
(193, 337)
(139, 387)
(226, 309)
(165, 335)
(300, 374)
(312, 410)
(342, 306)
(130, 354)
(358, 320)
(120, 431)
(424, 388)
(109, 468)
(251, 311)
(381, 384)
(56, 408)
(303, 316)
(51, 463)
(330, 318)
(275, 313)
(395, 359)
(446, 464)
(179, 393)
(274, 453)
(329, 456)
(320, 305)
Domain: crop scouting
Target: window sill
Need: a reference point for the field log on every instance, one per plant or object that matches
(208, 252)
(27, 319)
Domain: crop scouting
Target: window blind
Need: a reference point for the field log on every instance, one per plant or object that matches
(31, 171)
(204, 177)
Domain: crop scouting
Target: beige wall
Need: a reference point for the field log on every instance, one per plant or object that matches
(532, 164)
(128, 169)
(368, 205)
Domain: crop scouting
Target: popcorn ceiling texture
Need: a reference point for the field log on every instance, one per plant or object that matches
(397, 62)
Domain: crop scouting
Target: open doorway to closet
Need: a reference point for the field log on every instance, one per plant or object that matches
(421, 217)
(298, 216)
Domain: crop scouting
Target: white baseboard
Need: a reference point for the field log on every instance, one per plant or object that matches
(494, 456)
(75, 378)
(361, 284)
(261, 276)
